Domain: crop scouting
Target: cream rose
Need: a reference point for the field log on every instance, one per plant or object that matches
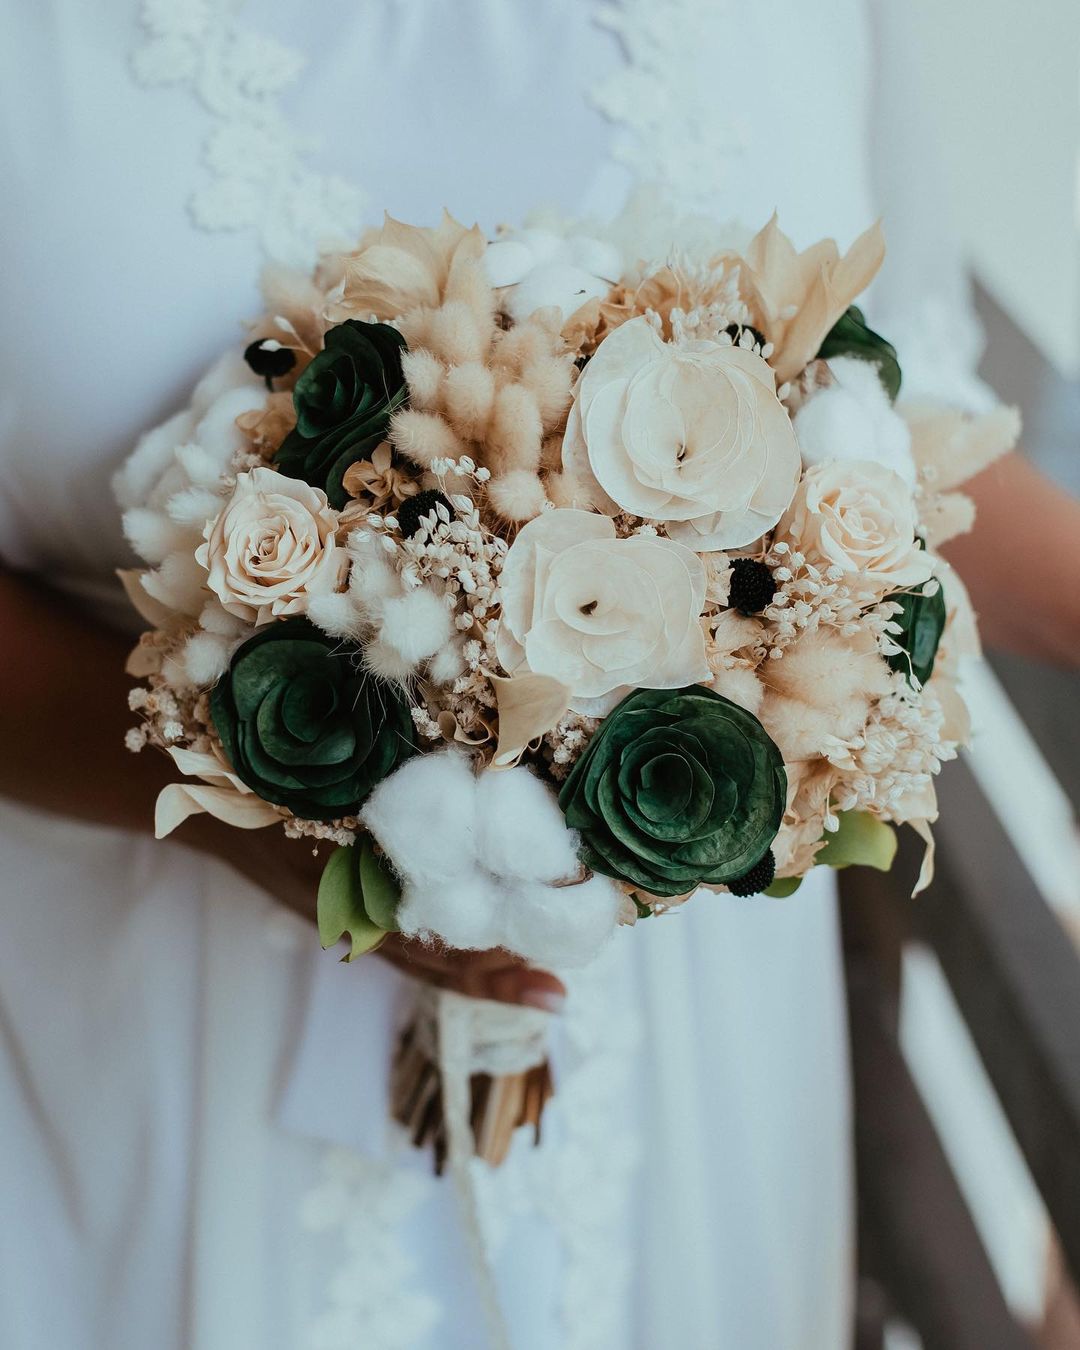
(599, 614)
(690, 433)
(271, 547)
(860, 517)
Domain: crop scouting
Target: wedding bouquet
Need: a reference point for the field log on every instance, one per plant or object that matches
(555, 578)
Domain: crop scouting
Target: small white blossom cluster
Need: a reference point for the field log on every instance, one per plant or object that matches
(809, 596)
(892, 763)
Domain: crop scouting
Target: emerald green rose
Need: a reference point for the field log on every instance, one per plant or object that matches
(850, 336)
(343, 402)
(922, 622)
(678, 787)
(304, 726)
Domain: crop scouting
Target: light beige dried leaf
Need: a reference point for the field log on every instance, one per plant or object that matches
(954, 446)
(529, 705)
(795, 298)
(400, 267)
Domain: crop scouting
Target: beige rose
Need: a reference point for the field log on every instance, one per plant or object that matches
(689, 433)
(271, 547)
(599, 614)
(860, 517)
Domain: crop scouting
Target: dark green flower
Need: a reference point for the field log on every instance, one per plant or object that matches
(922, 621)
(304, 726)
(343, 402)
(677, 787)
(850, 336)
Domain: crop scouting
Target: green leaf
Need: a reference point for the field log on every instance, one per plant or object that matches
(379, 887)
(862, 840)
(782, 887)
(850, 336)
(922, 621)
(340, 906)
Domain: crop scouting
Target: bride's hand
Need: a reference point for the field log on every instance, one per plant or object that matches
(495, 974)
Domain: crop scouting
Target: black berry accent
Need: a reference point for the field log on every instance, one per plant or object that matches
(582, 361)
(413, 508)
(736, 330)
(757, 879)
(752, 586)
(269, 362)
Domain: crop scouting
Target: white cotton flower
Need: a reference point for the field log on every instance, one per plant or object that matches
(481, 860)
(853, 419)
(598, 613)
(538, 269)
(688, 433)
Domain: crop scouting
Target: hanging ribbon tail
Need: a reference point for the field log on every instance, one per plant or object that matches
(467, 1074)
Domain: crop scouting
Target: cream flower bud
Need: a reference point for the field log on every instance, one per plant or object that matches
(271, 547)
(688, 433)
(860, 517)
(600, 614)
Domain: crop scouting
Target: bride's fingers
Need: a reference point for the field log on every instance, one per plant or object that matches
(492, 974)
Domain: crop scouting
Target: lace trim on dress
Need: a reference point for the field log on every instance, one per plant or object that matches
(658, 94)
(374, 1297)
(257, 175)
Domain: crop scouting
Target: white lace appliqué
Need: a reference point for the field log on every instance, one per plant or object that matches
(257, 175)
(663, 96)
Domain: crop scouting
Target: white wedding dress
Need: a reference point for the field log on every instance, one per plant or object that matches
(196, 1154)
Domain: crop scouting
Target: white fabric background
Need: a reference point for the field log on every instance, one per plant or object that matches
(203, 1160)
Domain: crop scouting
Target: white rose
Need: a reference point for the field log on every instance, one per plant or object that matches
(602, 615)
(691, 434)
(271, 547)
(860, 517)
(853, 419)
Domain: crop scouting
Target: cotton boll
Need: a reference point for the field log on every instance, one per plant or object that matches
(561, 927)
(206, 658)
(465, 912)
(423, 816)
(506, 261)
(335, 614)
(595, 255)
(521, 833)
(518, 495)
(416, 625)
(853, 419)
(560, 285)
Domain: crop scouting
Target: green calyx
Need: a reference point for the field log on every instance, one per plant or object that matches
(344, 401)
(922, 622)
(850, 336)
(358, 897)
(676, 788)
(304, 726)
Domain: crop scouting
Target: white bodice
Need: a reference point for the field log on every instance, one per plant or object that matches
(165, 148)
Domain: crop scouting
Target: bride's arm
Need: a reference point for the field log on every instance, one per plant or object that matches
(63, 714)
(1021, 562)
